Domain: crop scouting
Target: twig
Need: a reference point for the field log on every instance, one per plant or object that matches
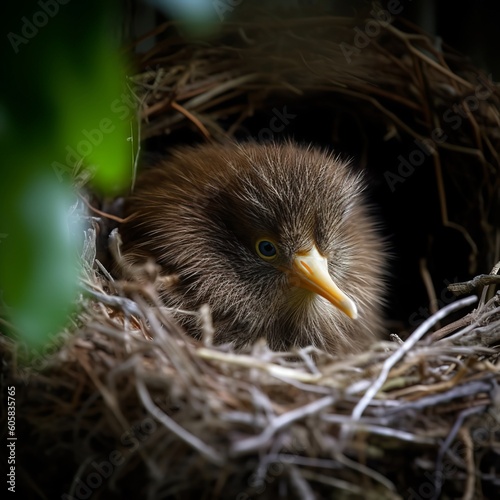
(101, 213)
(494, 271)
(445, 330)
(260, 441)
(193, 441)
(126, 305)
(469, 461)
(333, 482)
(478, 281)
(427, 279)
(447, 443)
(367, 471)
(191, 117)
(304, 491)
(465, 390)
(250, 361)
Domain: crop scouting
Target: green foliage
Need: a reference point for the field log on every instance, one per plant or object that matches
(58, 117)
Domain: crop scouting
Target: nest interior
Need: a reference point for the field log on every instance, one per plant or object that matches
(125, 404)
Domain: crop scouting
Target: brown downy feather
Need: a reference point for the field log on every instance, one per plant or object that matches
(199, 213)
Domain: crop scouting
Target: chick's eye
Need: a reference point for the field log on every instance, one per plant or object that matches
(266, 249)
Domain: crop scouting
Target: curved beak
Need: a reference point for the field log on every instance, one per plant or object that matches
(310, 269)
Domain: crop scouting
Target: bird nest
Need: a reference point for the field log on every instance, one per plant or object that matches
(125, 404)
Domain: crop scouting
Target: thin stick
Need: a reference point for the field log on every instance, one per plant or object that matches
(427, 279)
(101, 213)
(174, 427)
(191, 117)
(260, 441)
(476, 282)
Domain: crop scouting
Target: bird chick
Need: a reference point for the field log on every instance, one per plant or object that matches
(276, 239)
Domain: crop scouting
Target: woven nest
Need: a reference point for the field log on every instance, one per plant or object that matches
(124, 404)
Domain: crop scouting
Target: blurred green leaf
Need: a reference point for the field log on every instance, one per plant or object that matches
(63, 108)
(38, 267)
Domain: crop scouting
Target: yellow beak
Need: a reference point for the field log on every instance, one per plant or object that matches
(310, 271)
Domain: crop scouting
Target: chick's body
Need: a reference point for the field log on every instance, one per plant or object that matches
(233, 223)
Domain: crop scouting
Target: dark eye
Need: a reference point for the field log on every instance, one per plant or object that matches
(266, 249)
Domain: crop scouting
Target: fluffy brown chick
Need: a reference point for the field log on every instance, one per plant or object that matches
(276, 239)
